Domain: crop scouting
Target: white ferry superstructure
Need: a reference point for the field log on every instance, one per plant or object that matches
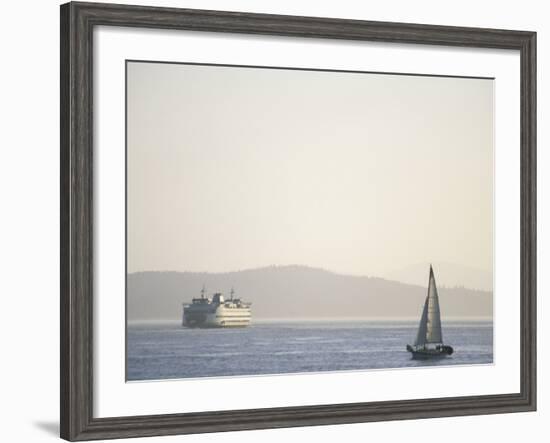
(216, 312)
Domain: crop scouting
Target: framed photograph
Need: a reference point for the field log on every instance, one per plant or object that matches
(272, 221)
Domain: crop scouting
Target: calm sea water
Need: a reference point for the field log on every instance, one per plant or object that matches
(166, 350)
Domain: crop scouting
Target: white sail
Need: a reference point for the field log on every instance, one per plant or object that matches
(429, 330)
(421, 336)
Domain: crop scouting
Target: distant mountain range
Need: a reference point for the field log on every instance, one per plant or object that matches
(448, 274)
(293, 292)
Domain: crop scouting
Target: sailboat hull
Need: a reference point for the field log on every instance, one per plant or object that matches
(422, 355)
(428, 354)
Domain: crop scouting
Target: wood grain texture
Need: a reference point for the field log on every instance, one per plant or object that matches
(76, 307)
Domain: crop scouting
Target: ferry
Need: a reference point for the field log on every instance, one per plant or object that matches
(216, 312)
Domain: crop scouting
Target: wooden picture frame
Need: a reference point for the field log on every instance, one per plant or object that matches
(77, 209)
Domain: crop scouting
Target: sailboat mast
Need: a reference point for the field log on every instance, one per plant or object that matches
(433, 330)
(429, 330)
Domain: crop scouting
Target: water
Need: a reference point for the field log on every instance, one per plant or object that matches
(166, 350)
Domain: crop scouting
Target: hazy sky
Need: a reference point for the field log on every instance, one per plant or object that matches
(234, 168)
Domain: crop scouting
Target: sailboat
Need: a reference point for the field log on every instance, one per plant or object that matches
(429, 339)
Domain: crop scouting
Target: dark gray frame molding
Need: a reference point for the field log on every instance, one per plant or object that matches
(77, 24)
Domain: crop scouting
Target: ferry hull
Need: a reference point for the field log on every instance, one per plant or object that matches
(221, 318)
(214, 326)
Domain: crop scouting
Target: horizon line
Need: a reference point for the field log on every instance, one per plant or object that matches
(267, 320)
